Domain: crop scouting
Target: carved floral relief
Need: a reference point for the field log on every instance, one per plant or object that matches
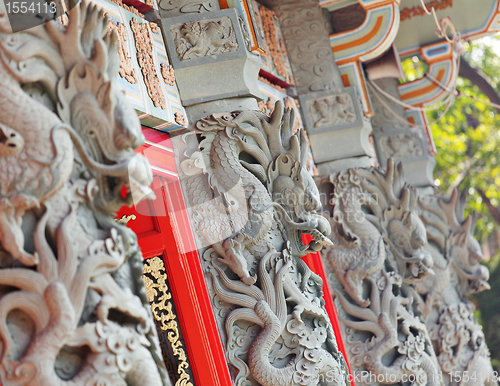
(127, 71)
(272, 41)
(203, 38)
(167, 71)
(74, 310)
(144, 49)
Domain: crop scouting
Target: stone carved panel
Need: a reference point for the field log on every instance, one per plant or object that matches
(203, 38)
(331, 110)
(146, 62)
(445, 303)
(403, 145)
(251, 199)
(378, 255)
(306, 37)
(72, 273)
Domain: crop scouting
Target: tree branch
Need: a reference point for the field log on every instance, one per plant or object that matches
(480, 80)
(494, 210)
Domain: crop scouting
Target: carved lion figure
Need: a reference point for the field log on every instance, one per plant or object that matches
(206, 38)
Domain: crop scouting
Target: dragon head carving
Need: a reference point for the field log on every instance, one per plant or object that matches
(78, 83)
(253, 170)
(454, 244)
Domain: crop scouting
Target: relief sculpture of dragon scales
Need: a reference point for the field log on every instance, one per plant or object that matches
(457, 336)
(377, 258)
(73, 309)
(251, 200)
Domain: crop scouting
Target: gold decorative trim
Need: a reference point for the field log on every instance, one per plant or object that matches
(162, 306)
(126, 218)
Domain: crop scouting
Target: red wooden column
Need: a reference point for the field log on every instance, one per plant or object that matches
(164, 229)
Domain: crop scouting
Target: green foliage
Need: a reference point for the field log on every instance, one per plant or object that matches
(467, 138)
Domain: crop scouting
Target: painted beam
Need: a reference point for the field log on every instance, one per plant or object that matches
(443, 67)
(366, 42)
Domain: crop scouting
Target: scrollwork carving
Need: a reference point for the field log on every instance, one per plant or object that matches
(188, 6)
(306, 36)
(160, 298)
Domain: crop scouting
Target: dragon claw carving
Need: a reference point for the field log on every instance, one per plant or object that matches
(232, 256)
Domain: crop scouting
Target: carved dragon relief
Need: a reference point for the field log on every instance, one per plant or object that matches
(249, 192)
(73, 310)
(378, 255)
(456, 334)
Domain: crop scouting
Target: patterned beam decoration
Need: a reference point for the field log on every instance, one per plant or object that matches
(370, 40)
(442, 58)
(146, 76)
(481, 28)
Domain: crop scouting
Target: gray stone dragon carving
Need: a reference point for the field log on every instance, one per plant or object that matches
(73, 310)
(251, 201)
(379, 254)
(457, 336)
